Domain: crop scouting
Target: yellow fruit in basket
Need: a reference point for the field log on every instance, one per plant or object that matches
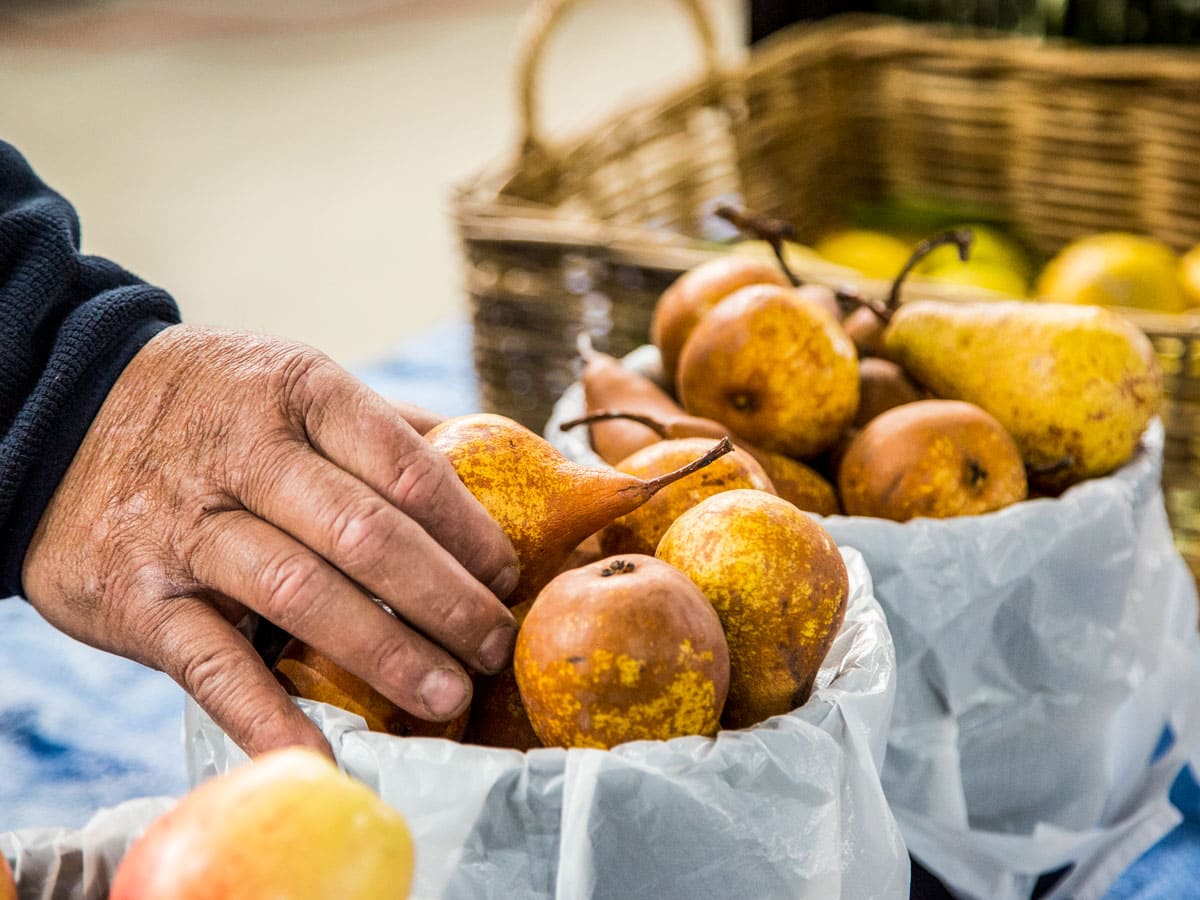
(989, 276)
(875, 254)
(1075, 386)
(989, 247)
(8, 888)
(779, 584)
(289, 826)
(796, 255)
(1114, 269)
(1189, 276)
(932, 459)
(780, 373)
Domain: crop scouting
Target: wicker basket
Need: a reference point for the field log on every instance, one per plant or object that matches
(1059, 141)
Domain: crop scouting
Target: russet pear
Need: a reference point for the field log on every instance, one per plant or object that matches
(779, 372)
(639, 531)
(545, 503)
(932, 459)
(778, 583)
(882, 385)
(624, 649)
(1075, 386)
(8, 886)
(695, 292)
(498, 717)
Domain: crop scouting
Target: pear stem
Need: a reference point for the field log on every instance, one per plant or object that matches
(773, 231)
(961, 237)
(654, 485)
(605, 414)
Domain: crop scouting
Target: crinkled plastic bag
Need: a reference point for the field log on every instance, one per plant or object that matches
(792, 808)
(78, 863)
(1042, 652)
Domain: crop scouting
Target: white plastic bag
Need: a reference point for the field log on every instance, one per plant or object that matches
(790, 809)
(78, 863)
(1041, 652)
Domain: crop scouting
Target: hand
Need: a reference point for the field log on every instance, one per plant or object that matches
(226, 473)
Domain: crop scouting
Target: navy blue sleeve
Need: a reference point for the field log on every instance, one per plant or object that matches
(69, 324)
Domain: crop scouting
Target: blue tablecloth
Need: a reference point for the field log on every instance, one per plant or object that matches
(81, 730)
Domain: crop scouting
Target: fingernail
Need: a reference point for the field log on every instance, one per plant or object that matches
(443, 691)
(496, 649)
(504, 583)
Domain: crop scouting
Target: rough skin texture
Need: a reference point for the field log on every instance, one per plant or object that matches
(621, 650)
(779, 584)
(780, 372)
(1075, 386)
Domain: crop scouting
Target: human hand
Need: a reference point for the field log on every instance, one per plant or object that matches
(226, 473)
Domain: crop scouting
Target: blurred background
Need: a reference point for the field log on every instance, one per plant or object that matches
(284, 166)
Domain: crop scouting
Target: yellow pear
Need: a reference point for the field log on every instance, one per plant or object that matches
(1189, 276)
(875, 254)
(1075, 386)
(1114, 269)
(544, 502)
(288, 825)
(779, 585)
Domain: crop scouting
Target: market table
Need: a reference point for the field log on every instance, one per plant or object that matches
(81, 730)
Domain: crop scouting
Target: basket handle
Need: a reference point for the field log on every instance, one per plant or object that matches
(539, 23)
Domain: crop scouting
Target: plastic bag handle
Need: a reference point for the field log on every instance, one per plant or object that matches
(539, 23)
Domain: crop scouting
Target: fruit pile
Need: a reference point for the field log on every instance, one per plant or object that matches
(1108, 269)
(645, 610)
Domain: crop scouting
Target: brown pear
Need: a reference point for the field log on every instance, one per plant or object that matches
(780, 373)
(639, 531)
(822, 296)
(779, 585)
(931, 458)
(882, 385)
(865, 329)
(544, 502)
(304, 672)
(697, 291)
(624, 649)
(498, 717)
(794, 481)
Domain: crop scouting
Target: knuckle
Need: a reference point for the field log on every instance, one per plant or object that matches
(289, 587)
(208, 673)
(462, 619)
(399, 662)
(360, 532)
(424, 476)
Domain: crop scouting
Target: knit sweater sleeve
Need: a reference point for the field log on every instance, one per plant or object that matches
(69, 324)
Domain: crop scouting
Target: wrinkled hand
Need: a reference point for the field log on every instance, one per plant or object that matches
(226, 473)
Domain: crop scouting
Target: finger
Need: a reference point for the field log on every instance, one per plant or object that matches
(362, 433)
(421, 419)
(272, 573)
(385, 551)
(210, 660)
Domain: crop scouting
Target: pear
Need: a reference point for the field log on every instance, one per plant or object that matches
(882, 385)
(288, 825)
(624, 649)
(779, 585)
(639, 531)
(698, 290)
(779, 372)
(793, 480)
(931, 458)
(1075, 386)
(8, 887)
(304, 672)
(544, 502)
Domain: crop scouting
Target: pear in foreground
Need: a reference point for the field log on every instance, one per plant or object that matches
(288, 826)
(1075, 386)
(778, 583)
(624, 649)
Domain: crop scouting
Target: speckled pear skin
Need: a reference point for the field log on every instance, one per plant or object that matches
(544, 502)
(639, 531)
(1075, 386)
(624, 649)
(779, 584)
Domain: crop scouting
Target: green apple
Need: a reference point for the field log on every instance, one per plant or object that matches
(288, 826)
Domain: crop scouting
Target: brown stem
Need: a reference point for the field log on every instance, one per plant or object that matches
(605, 414)
(961, 237)
(773, 231)
(654, 485)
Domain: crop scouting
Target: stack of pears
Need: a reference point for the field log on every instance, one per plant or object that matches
(895, 410)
